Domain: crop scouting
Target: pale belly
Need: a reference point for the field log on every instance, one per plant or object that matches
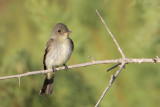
(58, 55)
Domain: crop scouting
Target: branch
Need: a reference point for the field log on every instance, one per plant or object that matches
(125, 60)
(113, 77)
(119, 48)
(128, 60)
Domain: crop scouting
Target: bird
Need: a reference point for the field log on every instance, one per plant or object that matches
(58, 51)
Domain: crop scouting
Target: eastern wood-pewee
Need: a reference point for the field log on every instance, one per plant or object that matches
(58, 51)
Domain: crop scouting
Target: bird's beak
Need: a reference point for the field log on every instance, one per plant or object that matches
(68, 32)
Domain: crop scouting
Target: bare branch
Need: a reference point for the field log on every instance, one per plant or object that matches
(128, 60)
(113, 77)
(125, 60)
(119, 48)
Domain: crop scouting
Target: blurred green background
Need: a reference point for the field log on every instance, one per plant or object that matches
(25, 27)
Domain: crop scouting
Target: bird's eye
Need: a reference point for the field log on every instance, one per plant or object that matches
(59, 31)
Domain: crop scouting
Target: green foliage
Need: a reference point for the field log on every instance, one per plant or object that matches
(25, 27)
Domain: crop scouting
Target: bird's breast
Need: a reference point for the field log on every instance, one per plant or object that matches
(58, 54)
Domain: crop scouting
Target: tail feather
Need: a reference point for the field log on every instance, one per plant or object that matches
(47, 86)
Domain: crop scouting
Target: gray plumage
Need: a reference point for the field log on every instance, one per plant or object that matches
(58, 51)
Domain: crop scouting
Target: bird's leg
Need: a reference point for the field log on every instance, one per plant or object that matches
(65, 66)
(54, 69)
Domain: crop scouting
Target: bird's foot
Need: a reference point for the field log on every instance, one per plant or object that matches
(65, 66)
(54, 69)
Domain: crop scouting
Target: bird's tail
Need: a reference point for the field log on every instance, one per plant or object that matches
(47, 86)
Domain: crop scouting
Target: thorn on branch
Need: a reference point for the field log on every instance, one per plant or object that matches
(114, 67)
(157, 57)
(92, 58)
(19, 79)
(112, 79)
(124, 65)
(154, 60)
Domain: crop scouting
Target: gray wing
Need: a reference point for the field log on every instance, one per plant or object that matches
(49, 43)
(72, 44)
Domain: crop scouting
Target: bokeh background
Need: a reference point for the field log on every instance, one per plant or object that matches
(25, 27)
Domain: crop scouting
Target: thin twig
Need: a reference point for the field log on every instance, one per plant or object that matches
(119, 48)
(113, 77)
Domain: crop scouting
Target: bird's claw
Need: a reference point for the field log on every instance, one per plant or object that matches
(66, 67)
(54, 69)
